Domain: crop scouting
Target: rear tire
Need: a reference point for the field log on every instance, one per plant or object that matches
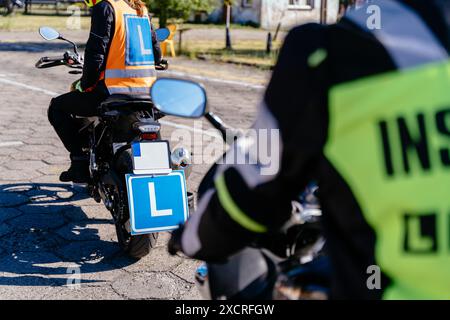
(140, 246)
(137, 246)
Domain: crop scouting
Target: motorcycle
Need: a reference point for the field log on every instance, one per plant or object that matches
(124, 125)
(10, 5)
(288, 265)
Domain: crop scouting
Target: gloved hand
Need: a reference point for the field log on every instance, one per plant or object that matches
(76, 86)
(174, 246)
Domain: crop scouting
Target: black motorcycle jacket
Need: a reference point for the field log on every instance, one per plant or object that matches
(97, 47)
(344, 65)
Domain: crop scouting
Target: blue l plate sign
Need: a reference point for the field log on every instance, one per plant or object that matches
(157, 203)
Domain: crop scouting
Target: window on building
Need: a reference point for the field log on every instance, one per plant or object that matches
(301, 4)
(247, 3)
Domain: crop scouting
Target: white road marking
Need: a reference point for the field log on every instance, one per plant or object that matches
(11, 143)
(23, 85)
(9, 74)
(217, 80)
(53, 94)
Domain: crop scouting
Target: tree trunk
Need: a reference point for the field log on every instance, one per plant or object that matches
(224, 14)
(227, 29)
(163, 18)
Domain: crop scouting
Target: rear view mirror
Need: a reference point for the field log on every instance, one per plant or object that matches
(48, 33)
(162, 34)
(179, 98)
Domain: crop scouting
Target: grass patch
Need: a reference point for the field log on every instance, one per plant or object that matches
(222, 26)
(245, 52)
(22, 22)
(203, 25)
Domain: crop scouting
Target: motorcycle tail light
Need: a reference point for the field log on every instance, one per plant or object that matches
(149, 136)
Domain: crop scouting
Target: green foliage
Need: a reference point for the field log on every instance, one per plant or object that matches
(180, 9)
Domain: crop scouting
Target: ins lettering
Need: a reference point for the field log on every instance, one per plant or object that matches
(413, 145)
(414, 136)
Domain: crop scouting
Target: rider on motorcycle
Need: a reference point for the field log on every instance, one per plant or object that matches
(120, 58)
(362, 108)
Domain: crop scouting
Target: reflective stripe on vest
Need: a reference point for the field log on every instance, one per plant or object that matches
(117, 73)
(130, 64)
(402, 32)
(233, 209)
(128, 90)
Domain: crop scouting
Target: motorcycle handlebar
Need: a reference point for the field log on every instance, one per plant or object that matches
(48, 62)
(68, 60)
(73, 61)
(217, 123)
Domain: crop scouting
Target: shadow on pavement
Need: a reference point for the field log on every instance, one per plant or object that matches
(46, 237)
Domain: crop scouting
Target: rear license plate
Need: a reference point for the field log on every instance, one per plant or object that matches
(151, 157)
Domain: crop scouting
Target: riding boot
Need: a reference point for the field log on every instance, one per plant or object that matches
(78, 171)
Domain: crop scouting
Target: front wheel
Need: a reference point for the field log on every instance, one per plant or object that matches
(135, 246)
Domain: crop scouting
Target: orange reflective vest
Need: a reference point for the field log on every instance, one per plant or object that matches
(130, 65)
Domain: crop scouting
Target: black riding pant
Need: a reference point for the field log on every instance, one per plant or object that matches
(61, 115)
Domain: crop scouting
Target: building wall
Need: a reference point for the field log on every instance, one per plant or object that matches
(241, 14)
(268, 13)
(247, 14)
(273, 11)
(333, 11)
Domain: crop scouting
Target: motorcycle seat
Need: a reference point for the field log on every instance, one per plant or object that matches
(117, 101)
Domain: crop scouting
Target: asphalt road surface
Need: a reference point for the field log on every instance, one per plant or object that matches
(49, 231)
